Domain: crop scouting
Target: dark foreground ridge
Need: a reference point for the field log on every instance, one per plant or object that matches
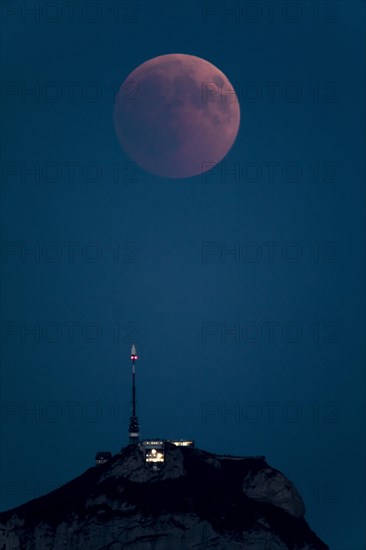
(198, 500)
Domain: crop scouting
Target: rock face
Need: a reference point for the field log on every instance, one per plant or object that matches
(197, 500)
(269, 485)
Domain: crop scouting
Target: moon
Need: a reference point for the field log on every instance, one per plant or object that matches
(176, 115)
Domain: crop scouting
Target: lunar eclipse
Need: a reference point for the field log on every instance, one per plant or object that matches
(176, 115)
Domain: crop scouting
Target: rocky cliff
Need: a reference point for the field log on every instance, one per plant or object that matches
(197, 500)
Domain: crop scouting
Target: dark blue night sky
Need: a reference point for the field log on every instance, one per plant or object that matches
(243, 290)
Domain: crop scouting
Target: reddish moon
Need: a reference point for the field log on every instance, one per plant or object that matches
(176, 115)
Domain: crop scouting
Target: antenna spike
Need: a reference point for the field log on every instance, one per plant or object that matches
(134, 428)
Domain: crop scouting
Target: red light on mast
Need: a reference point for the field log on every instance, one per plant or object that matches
(134, 356)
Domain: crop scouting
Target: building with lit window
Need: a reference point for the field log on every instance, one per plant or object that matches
(181, 442)
(154, 453)
(102, 457)
(154, 450)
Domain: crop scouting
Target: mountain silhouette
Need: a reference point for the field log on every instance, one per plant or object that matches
(193, 500)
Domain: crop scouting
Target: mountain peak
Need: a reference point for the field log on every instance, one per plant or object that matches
(190, 498)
